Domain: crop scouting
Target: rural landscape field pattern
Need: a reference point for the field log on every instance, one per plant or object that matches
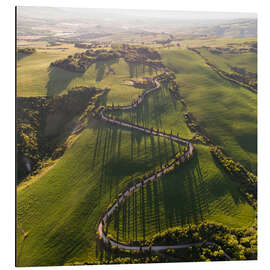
(145, 160)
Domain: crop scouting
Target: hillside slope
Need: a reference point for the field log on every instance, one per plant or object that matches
(57, 216)
(225, 110)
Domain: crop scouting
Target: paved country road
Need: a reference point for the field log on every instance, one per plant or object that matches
(188, 153)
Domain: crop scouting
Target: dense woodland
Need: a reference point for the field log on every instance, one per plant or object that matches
(42, 123)
(237, 243)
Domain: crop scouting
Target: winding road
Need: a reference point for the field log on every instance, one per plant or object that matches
(154, 177)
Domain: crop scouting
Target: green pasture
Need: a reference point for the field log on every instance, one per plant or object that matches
(33, 73)
(97, 75)
(215, 41)
(159, 110)
(199, 191)
(225, 110)
(35, 78)
(248, 61)
(59, 213)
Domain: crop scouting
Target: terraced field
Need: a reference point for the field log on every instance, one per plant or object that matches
(200, 191)
(225, 110)
(59, 213)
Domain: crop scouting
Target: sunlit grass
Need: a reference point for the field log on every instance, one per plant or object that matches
(199, 191)
(226, 111)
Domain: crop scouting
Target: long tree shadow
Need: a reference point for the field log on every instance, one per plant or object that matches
(151, 112)
(132, 69)
(100, 68)
(59, 80)
(21, 56)
(102, 101)
(226, 186)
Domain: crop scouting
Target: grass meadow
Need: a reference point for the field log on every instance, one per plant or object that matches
(36, 78)
(225, 110)
(33, 70)
(248, 61)
(159, 110)
(59, 213)
(199, 191)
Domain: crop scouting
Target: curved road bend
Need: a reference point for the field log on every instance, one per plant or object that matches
(152, 178)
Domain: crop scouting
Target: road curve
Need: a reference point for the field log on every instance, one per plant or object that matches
(188, 153)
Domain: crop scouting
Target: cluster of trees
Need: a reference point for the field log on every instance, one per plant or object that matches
(241, 75)
(246, 79)
(72, 64)
(233, 48)
(239, 244)
(83, 45)
(92, 45)
(238, 172)
(144, 83)
(79, 62)
(141, 55)
(102, 55)
(215, 242)
(115, 255)
(163, 41)
(26, 51)
(166, 77)
(41, 122)
(203, 253)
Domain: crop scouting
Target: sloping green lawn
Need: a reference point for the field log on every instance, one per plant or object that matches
(60, 212)
(248, 61)
(227, 111)
(199, 191)
(35, 78)
(159, 110)
(33, 71)
(97, 75)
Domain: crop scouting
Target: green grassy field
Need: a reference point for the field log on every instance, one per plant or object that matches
(215, 41)
(35, 78)
(225, 110)
(159, 110)
(33, 73)
(97, 75)
(248, 61)
(200, 191)
(60, 212)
